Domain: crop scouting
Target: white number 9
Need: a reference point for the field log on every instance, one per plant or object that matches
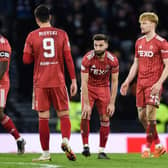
(48, 44)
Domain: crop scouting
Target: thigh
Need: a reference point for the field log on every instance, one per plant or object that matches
(103, 99)
(60, 98)
(140, 96)
(3, 95)
(152, 99)
(40, 100)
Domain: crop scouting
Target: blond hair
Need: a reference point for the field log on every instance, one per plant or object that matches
(151, 16)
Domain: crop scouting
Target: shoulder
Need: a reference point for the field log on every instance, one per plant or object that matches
(89, 55)
(4, 43)
(111, 57)
(159, 38)
(3, 40)
(140, 39)
(60, 31)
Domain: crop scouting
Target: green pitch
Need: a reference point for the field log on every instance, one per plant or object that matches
(60, 161)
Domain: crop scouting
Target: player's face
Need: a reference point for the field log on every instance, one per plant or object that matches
(146, 26)
(100, 47)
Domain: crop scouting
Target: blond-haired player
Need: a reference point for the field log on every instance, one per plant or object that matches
(151, 64)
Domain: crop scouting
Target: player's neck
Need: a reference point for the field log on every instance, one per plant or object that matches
(45, 25)
(150, 35)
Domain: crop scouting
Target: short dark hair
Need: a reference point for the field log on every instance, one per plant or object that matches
(101, 37)
(42, 12)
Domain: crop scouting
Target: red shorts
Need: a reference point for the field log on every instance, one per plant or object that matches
(144, 97)
(43, 97)
(100, 96)
(3, 95)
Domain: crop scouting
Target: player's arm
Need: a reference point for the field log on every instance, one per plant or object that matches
(114, 87)
(157, 86)
(84, 85)
(28, 51)
(27, 58)
(132, 73)
(3, 68)
(71, 70)
(86, 105)
(70, 64)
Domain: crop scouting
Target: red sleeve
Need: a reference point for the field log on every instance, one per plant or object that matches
(5, 49)
(85, 65)
(28, 44)
(27, 58)
(70, 64)
(66, 43)
(164, 49)
(115, 67)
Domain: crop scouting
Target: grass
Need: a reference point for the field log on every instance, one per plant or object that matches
(59, 160)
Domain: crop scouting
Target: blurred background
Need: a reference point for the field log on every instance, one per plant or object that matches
(81, 19)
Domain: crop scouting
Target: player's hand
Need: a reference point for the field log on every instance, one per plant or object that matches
(156, 88)
(124, 88)
(110, 109)
(73, 87)
(86, 112)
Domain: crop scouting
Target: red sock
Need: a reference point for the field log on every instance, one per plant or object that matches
(65, 126)
(149, 135)
(155, 135)
(44, 132)
(85, 129)
(104, 132)
(9, 126)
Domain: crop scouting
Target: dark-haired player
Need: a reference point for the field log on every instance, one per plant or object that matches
(48, 47)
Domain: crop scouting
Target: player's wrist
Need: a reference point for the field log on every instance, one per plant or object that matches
(74, 80)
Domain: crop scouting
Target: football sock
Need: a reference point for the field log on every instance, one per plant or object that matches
(44, 132)
(65, 126)
(149, 134)
(9, 126)
(104, 132)
(155, 134)
(85, 129)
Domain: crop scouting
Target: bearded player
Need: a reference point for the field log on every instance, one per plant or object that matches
(97, 67)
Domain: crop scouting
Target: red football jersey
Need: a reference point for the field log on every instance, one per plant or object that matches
(47, 46)
(99, 71)
(5, 52)
(150, 55)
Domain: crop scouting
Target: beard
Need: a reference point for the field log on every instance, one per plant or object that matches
(100, 53)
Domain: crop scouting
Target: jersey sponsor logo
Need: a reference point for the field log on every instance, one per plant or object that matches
(164, 51)
(4, 54)
(143, 53)
(96, 71)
